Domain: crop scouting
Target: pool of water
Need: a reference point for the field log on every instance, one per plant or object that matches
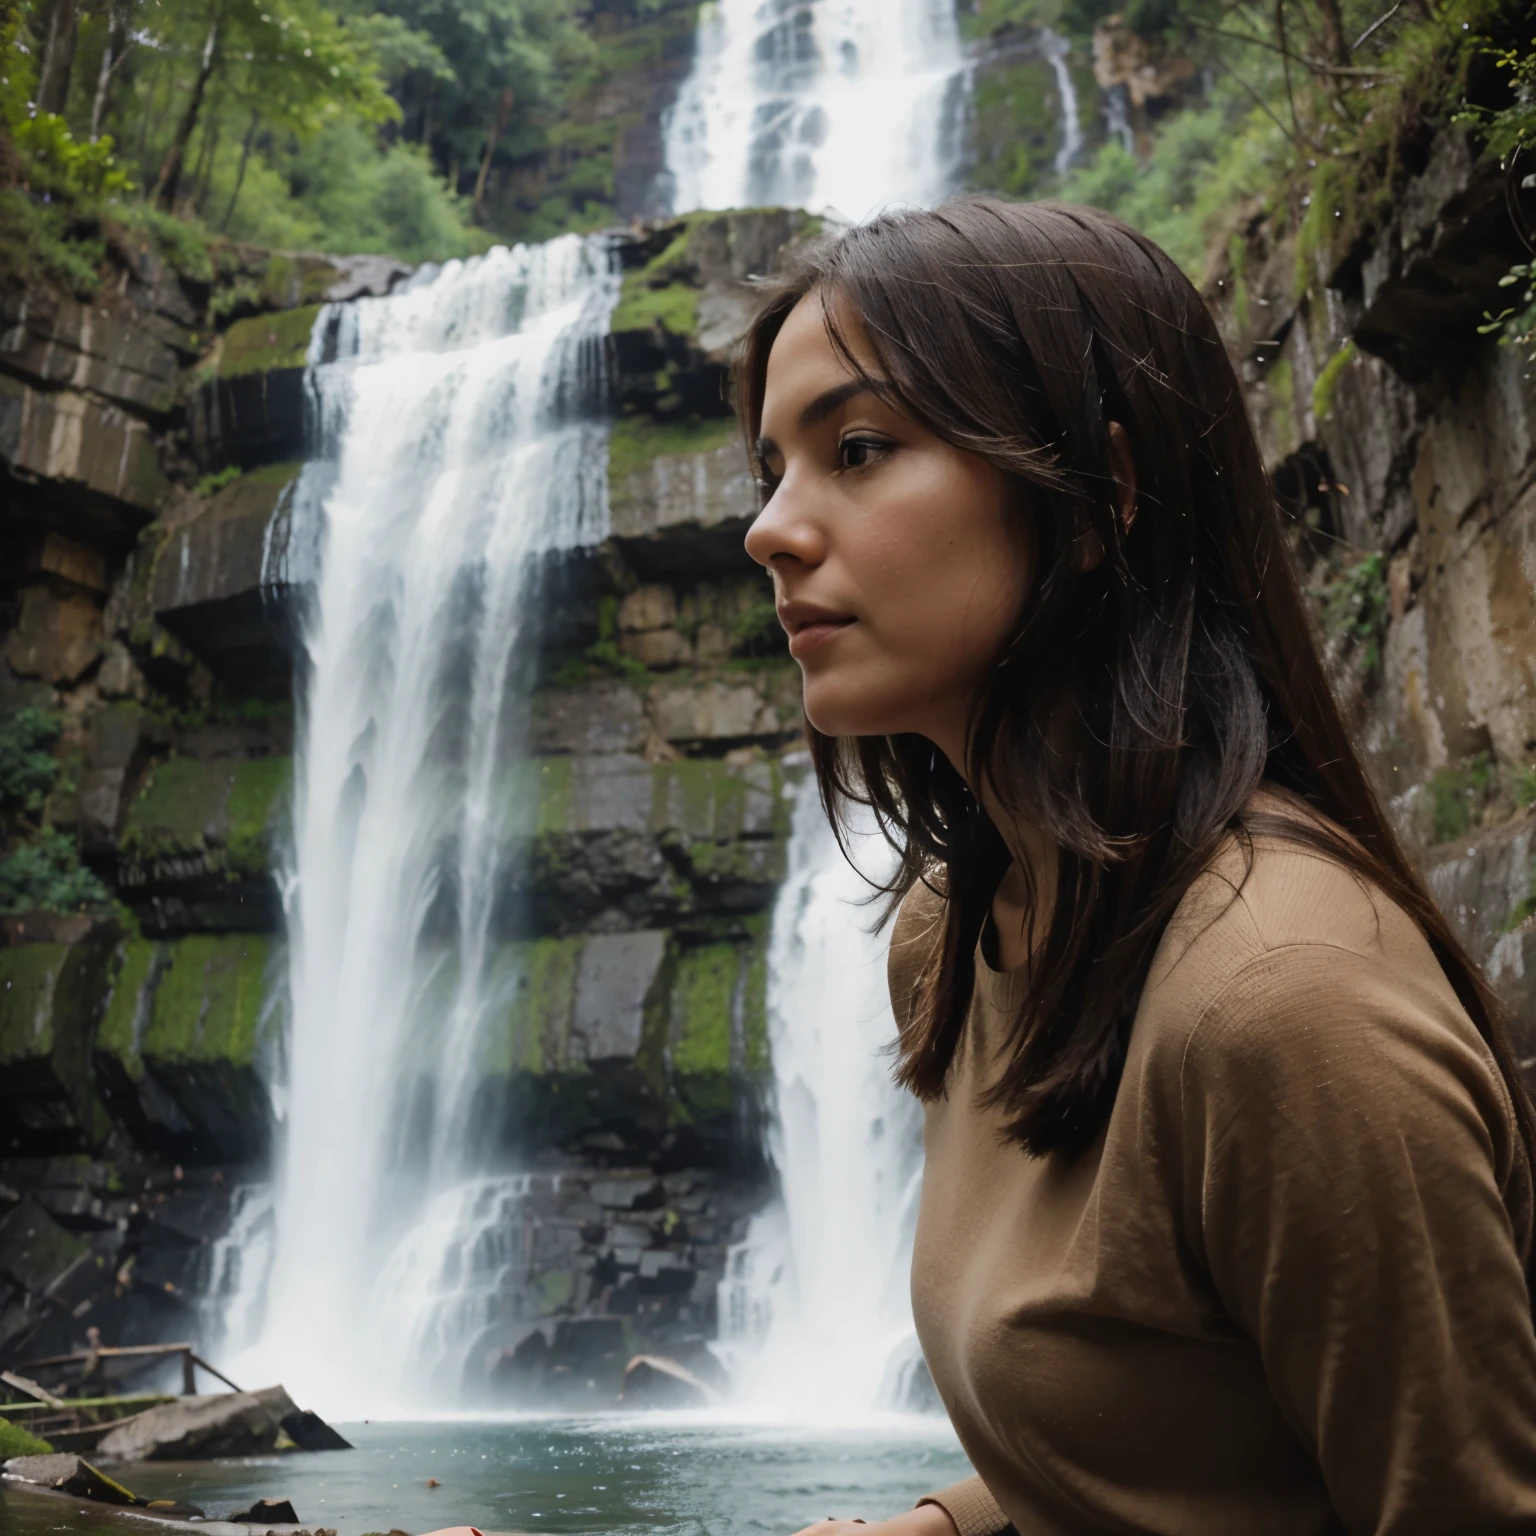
(650, 1474)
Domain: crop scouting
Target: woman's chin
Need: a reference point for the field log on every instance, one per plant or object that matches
(840, 707)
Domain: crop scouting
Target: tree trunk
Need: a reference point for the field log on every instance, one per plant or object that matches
(1335, 47)
(503, 112)
(202, 177)
(170, 170)
(111, 56)
(58, 57)
(245, 157)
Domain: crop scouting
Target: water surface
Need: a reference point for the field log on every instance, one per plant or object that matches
(652, 1474)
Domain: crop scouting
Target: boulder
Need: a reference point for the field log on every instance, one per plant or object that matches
(72, 1475)
(57, 635)
(656, 1381)
(310, 1432)
(202, 1427)
(266, 1512)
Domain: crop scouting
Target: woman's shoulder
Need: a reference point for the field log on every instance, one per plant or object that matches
(1283, 886)
(1284, 966)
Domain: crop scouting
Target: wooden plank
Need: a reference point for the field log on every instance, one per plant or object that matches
(31, 1389)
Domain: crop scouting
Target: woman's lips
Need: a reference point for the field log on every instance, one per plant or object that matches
(808, 636)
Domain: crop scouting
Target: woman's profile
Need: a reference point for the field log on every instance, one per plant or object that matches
(1227, 1215)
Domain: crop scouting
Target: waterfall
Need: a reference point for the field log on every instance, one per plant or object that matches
(1056, 50)
(840, 105)
(1117, 116)
(815, 1314)
(460, 438)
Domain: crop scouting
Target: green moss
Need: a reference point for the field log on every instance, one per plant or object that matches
(671, 307)
(701, 1009)
(180, 805)
(557, 1289)
(543, 999)
(757, 1058)
(29, 978)
(127, 1012)
(1327, 382)
(260, 787)
(636, 441)
(189, 808)
(209, 1004)
(16, 1441)
(1458, 795)
(255, 491)
(265, 342)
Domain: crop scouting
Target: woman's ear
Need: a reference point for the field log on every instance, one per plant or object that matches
(1090, 547)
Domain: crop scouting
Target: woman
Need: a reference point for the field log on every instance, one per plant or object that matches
(1227, 1212)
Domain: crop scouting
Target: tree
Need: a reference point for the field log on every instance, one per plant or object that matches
(58, 57)
(291, 59)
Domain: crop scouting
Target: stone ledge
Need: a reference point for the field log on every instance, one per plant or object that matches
(97, 453)
(60, 342)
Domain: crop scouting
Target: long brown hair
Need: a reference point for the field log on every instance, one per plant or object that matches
(1184, 663)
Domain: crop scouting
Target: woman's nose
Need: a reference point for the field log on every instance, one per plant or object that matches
(786, 529)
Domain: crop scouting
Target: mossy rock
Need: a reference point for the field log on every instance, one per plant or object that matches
(209, 1005)
(180, 1050)
(218, 814)
(49, 998)
(264, 344)
(636, 442)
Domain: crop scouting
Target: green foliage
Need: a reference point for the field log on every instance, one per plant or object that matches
(1505, 129)
(1522, 786)
(1458, 795)
(16, 1441)
(28, 767)
(1204, 163)
(216, 482)
(46, 875)
(1355, 604)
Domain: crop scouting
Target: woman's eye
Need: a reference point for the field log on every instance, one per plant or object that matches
(859, 452)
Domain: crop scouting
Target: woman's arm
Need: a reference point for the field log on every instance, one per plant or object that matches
(1348, 1148)
(928, 1519)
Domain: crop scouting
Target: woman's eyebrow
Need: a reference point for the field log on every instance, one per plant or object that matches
(824, 404)
(818, 410)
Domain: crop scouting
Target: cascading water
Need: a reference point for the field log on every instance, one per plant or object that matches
(815, 1316)
(840, 105)
(461, 438)
(1057, 49)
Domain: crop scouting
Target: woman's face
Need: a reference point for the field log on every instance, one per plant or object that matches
(898, 567)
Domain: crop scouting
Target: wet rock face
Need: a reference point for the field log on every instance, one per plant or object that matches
(1408, 443)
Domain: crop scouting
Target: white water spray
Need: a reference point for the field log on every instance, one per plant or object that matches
(815, 1312)
(460, 440)
(840, 105)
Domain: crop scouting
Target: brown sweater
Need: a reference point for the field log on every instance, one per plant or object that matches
(1283, 1292)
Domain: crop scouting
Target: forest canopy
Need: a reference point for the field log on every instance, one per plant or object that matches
(288, 123)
